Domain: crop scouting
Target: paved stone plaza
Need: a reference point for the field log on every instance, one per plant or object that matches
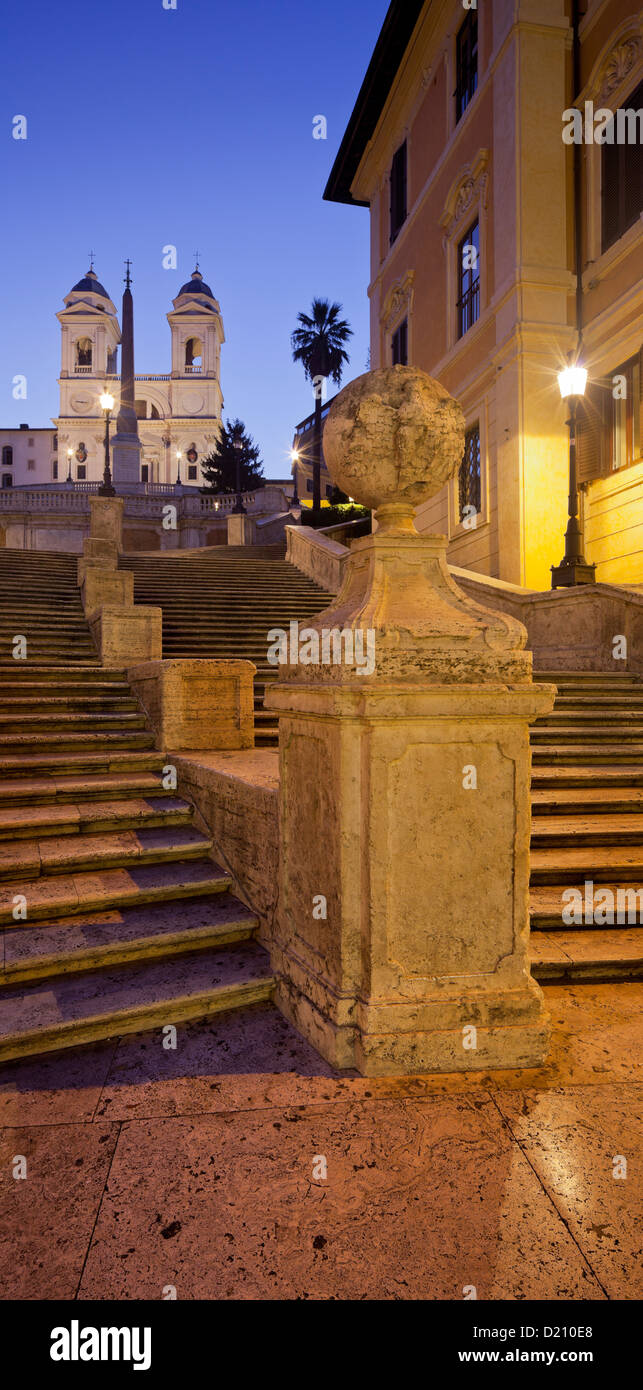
(194, 1168)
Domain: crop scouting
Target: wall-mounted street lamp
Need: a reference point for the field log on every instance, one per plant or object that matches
(69, 479)
(573, 568)
(107, 488)
(237, 445)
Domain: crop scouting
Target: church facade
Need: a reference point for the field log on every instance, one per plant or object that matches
(178, 412)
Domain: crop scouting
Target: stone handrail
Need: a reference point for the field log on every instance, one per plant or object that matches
(269, 530)
(317, 556)
(575, 629)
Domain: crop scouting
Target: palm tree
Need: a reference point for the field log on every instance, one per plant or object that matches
(318, 343)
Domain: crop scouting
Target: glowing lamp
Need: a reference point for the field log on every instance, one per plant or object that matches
(572, 381)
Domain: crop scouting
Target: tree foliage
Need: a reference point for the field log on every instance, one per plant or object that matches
(220, 467)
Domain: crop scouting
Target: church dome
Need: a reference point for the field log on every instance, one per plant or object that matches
(89, 284)
(196, 285)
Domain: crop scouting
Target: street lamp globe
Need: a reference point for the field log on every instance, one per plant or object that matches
(572, 381)
(107, 401)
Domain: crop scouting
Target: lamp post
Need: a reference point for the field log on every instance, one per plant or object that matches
(107, 488)
(69, 478)
(237, 445)
(294, 454)
(178, 468)
(573, 568)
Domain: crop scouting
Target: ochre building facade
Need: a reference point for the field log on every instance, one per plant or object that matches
(461, 157)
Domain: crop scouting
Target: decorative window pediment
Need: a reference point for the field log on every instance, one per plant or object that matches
(619, 62)
(468, 190)
(398, 301)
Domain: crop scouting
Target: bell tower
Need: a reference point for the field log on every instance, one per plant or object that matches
(197, 334)
(90, 335)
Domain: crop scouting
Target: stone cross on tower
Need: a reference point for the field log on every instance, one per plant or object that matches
(126, 448)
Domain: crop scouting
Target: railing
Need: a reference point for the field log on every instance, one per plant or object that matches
(37, 500)
(141, 376)
(193, 370)
(305, 426)
(148, 501)
(83, 371)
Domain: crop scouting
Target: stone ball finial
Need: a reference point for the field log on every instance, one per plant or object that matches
(392, 439)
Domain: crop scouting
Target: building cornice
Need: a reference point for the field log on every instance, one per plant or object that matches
(393, 41)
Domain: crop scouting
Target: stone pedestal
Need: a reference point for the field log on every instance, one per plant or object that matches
(124, 634)
(99, 585)
(241, 529)
(106, 520)
(102, 546)
(408, 810)
(197, 704)
(126, 459)
(401, 940)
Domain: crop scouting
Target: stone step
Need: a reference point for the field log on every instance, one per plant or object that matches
(585, 677)
(591, 733)
(573, 776)
(92, 817)
(65, 895)
(69, 721)
(108, 760)
(71, 742)
(587, 956)
(588, 753)
(52, 790)
(104, 675)
(22, 861)
(564, 801)
(66, 705)
(584, 718)
(99, 940)
(47, 693)
(131, 999)
(626, 829)
(601, 863)
(56, 625)
(625, 701)
(549, 901)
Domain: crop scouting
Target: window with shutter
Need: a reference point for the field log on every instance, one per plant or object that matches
(398, 190)
(625, 413)
(591, 451)
(469, 479)
(622, 171)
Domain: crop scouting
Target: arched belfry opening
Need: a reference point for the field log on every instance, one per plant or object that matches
(83, 352)
(194, 353)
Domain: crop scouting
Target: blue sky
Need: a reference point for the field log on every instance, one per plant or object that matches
(191, 127)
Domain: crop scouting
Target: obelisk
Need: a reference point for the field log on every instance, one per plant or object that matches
(126, 445)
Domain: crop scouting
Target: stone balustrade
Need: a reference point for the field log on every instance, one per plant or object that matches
(56, 517)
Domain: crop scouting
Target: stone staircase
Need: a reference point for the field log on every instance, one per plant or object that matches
(587, 824)
(40, 602)
(115, 917)
(222, 602)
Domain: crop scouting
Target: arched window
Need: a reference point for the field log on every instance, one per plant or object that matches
(7, 456)
(193, 355)
(83, 352)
